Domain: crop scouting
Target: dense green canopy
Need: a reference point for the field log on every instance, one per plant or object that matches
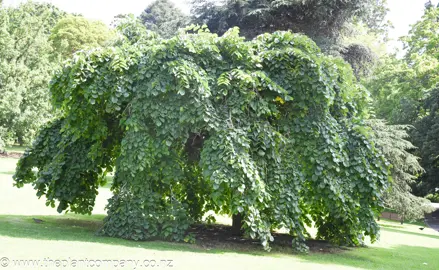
(405, 168)
(269, 128)
(25, 69)
(164, 18)
(324, 21)
(73, 33)
(425, 136)
(327, 22)
(34, 39)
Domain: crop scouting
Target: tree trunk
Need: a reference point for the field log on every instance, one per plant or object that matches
(194, 145)
(379, 217)
(20, 140)
(237, 224)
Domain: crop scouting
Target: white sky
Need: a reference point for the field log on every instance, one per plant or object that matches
(402, 13)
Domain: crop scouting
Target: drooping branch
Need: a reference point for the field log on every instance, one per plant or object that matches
(269, 130)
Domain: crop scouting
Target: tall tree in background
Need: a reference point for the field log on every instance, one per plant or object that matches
(426, 137)
(326, 22)
(33, 39)
(398, 88)
(405, 168)
(362, 48)
(423, 37)
(405, 92)
(74, 33)
(323, 21)
(164, 18)
(25, 69)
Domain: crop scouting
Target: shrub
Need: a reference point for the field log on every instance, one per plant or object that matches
(434, 198)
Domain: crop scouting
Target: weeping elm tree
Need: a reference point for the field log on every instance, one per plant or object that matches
(269, 131)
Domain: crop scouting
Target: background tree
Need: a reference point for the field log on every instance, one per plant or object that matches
(326, 22)
(164, 18)
(33, 39)
(398, 88)
(119, 18)
(405, 168)
(318, 19)
(423, 36)
(404, 92)
(425, 136)
(2, 143)
(362, 48)
(73, 33)
(25, 69)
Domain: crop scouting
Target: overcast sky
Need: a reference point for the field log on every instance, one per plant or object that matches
(402, 13)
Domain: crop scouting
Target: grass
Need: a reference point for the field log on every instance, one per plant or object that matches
(109, 181)
(399, 257)
(7, 165)
(417, 250)
(400, 247)
(71, 227)
(15, 148)
(420, 222)
(409, 233)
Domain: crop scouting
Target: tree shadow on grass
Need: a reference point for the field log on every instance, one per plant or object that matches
(83, 228)
(69, 228)
(209, 238)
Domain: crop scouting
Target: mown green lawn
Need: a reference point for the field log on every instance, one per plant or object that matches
(7, 166)
(15, 148)
(68, 237)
